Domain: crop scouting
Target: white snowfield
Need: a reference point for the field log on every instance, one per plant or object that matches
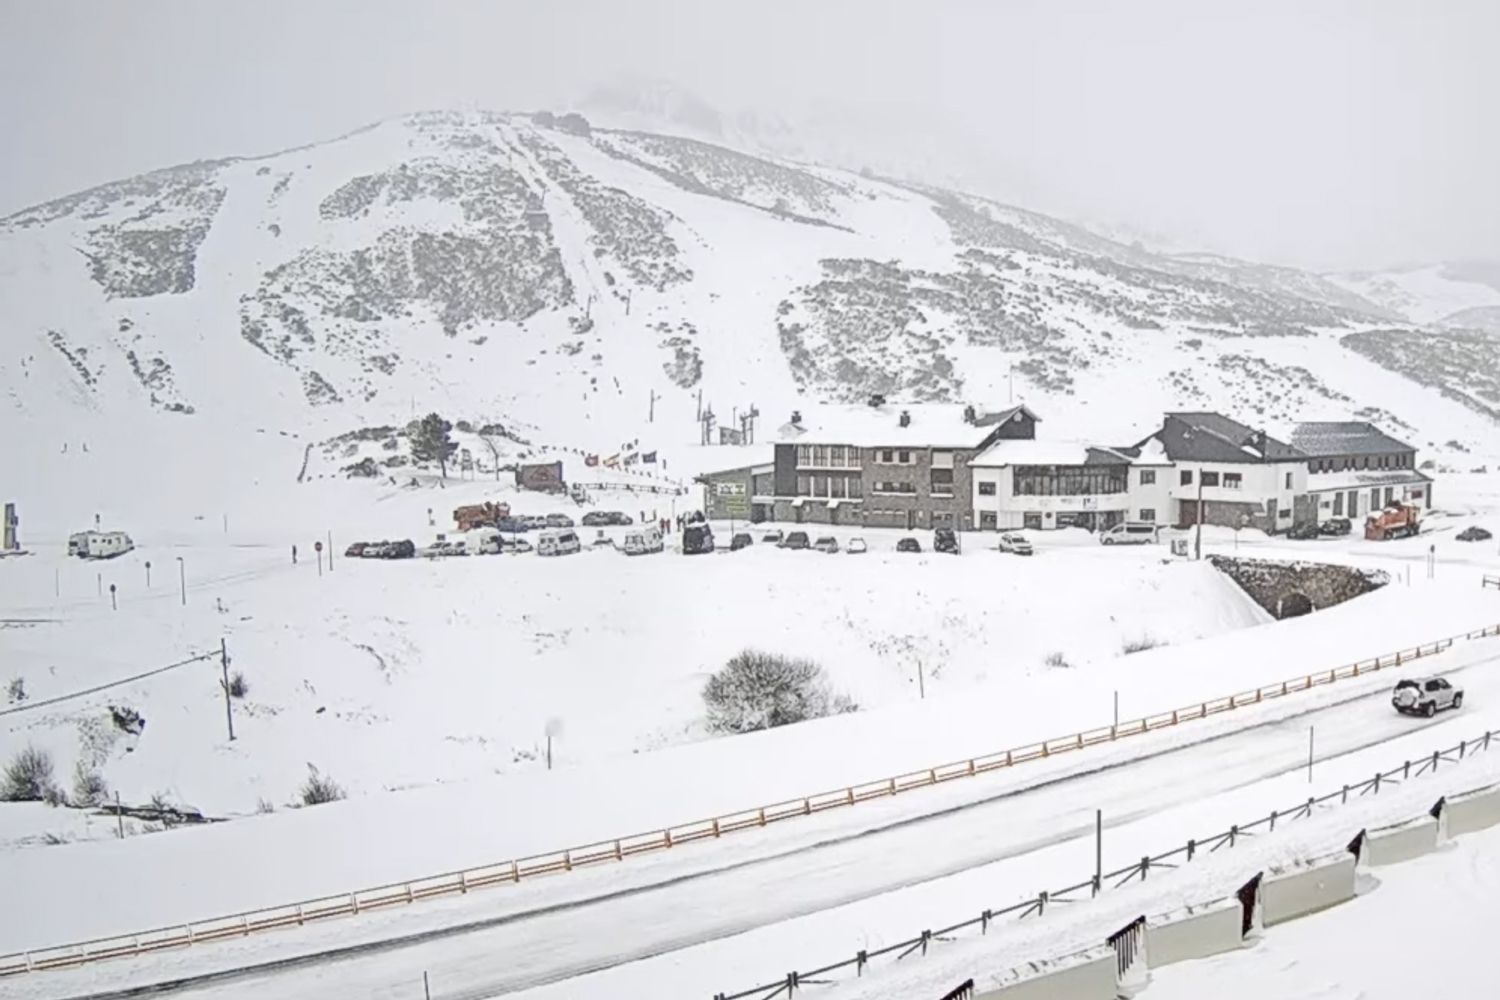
(1440, 905)
(816, 863)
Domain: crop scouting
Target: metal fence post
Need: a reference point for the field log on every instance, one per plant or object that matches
(1192, 848)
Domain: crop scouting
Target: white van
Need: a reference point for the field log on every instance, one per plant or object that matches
(559, 542)
(1131, 533)
(642, 541)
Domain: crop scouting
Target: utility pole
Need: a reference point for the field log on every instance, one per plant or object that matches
(148, 574)
(921, 681)
(119, 817)
(114, 605)
(700, 402)
(651, 414)
(627, 301)
(1198, 527)
(228, 705)
(182, 579)
(1098, 850)
(1117, 709)
(1309, 754)
(330, 551)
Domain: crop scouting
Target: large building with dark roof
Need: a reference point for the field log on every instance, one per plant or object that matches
(1356, 468)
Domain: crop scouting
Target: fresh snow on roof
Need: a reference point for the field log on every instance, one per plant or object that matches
(932, 424)
(1356, 478)
(1006, 452)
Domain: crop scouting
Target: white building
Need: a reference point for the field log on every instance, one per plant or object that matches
(1356, 469)
(1051, 484)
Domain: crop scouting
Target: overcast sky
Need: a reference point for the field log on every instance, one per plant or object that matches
(1325, 134)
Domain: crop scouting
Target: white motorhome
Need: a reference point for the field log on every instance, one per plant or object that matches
(560, 542)
(642, 541)
(99, 544)
(1131, 533)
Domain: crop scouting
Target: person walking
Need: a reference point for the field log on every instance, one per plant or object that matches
(294, 555)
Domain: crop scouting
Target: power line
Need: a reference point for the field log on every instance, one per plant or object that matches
(105, 687)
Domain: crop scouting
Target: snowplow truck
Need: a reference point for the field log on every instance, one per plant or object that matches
(480, 515)
(1397, 520)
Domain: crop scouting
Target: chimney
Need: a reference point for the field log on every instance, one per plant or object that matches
(905, 418)
(796, 418)
(970, 415)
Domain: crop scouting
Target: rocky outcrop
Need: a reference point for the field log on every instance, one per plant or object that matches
(1289, 589)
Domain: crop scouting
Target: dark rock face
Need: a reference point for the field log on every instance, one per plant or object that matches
(1289, 589)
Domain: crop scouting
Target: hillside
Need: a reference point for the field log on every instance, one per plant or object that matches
(591, 284)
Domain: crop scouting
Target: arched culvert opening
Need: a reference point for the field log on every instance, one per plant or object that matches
(1293, 605)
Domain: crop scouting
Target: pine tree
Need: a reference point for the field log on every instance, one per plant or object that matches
(430, 441)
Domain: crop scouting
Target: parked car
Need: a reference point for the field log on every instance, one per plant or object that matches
(856, 547)
(741, 540)
(772, 537)
(1304, 531)
(514, 546)
(697, 538)
(945, 540)
(558, 542)
(355, 551)
(1015, 544)
(908, 544)
(827, 544)
(489, 545)
(436, 550)
(794, 540)
(514, 525)
(1425, 696)
(404, 549)
(642, 541)
(606, 518)
(1130, 533)
(558, 521)
(1474, 533)
(1336, 526)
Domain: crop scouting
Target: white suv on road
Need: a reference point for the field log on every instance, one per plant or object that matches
(1425, 695)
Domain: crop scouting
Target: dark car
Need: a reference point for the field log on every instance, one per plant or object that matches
(1303, 531)
(944, 540)
(404, 549)
(1474, 533)
(697, 539)
(794, 540)
(908, 545)
(1336, 526)
(772, 537)
(605, 519)
(558, 521)
(741, 540)
(512, 524)
(357, 549)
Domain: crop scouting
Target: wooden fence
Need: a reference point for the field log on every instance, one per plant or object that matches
(454, 883)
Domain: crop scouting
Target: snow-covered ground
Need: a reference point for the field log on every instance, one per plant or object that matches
(1425, 929)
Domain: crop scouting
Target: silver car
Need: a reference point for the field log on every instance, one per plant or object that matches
(1425, 696)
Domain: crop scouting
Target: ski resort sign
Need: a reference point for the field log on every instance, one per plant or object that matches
(733, 499)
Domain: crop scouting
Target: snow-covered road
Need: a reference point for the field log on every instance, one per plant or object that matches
(1027, 835)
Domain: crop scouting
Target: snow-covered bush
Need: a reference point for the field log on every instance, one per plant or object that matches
(88, 785)
(1057, 660)
(1140, 645)
(15, 692)
(320, 788)
(757, 690)
(28, 777)
(238, 686)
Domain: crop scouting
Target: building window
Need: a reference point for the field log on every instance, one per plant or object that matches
(903, 457)
(895, 487)
(1288, 480)
(1186, 478)
(837, 488)
(1148, 477)
(1068, 480)
(804, 454)
(804, 485)
(1209, 479)
(835, 456)
(986, 489)
(1147, 514)
(1233, 480)
(856, 487)
(853, 458)
(1283, 514)
(1374, 500)
(941, 482)
(1338, 505)
(1390, 493)
(820, 485)
(820, 455)
(987, 519)
(888, 456)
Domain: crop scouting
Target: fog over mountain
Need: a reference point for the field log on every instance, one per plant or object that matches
(1338, 136)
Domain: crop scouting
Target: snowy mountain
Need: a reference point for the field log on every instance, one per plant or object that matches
(591, 283)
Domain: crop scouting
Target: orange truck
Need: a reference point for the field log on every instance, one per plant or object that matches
(479, 515)
(1397, 520)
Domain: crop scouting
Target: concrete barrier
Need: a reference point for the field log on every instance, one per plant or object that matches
(1472, 811)
(1194, 932)
(1088, 975)
(1308, 889)
(1393, 844)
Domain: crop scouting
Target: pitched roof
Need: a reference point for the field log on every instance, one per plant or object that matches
(931, 425)
(1027, 452)
(1345, 437)
(1213, 437)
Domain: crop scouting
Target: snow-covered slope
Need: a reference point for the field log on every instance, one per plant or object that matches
(594, 285)
(1429, 293)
